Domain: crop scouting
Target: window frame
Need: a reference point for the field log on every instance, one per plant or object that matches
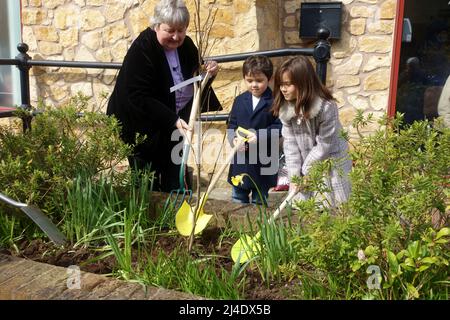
(14, 37)
(398, 31)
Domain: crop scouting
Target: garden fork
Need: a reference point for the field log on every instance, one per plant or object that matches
(178, 196)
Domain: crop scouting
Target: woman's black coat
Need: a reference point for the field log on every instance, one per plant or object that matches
(141, 100)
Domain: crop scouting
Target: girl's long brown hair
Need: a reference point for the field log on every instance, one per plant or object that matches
(304, 78)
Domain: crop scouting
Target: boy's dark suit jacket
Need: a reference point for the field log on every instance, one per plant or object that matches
(263, 122)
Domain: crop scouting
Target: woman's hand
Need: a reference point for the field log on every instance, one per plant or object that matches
(212, 67)
(182, 126)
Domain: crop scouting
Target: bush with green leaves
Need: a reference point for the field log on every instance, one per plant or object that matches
(396, 220)
(399, 188)
(36, 165)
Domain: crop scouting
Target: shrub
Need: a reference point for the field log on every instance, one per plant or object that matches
(399, 183)
(37, 165)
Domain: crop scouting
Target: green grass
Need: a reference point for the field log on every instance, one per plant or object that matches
(180, 271)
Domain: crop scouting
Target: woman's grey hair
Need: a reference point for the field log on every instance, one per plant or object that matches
(172, 12)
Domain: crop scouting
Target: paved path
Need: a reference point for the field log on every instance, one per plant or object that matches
(22, 279)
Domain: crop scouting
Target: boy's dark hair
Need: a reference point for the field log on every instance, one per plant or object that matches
(256, 64)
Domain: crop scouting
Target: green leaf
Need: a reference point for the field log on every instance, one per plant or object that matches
(443, 232)
(413, 249)
(401, 254)
(356, 266)
(393, 263)
(423, 268)
(412, 291)
(370, 250)
(429, 260)
(410, 262)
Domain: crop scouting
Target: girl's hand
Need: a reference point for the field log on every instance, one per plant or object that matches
(293, 186)
(303, 186)
(306, 181)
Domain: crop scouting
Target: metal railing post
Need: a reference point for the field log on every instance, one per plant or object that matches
(24, 70)
(321, 54)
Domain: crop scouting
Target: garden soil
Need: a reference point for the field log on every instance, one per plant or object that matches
(209, 242)
(87, 260)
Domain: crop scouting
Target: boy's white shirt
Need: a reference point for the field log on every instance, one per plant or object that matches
(255, 101)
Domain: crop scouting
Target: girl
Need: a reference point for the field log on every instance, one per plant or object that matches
(311, 127)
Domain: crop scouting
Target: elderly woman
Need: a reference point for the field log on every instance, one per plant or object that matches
(160, 57)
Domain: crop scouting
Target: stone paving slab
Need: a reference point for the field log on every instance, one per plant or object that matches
(22, 279)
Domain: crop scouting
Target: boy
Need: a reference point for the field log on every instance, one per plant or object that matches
(251, 110)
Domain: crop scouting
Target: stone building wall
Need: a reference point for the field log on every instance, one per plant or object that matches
(92, 30)
(360, 66)
(96, 30)
(99, 30)
(102, 31)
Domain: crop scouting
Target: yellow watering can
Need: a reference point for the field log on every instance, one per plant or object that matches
(188, 217)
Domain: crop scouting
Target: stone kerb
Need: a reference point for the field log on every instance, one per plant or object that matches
(22, 279)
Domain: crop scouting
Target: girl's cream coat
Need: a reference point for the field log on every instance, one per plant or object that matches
(307, 140)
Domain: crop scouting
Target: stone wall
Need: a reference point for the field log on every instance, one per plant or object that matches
(92, 30)
(98, 30)
(360, 65)
(102, 31)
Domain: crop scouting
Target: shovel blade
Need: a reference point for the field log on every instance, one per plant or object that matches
(184, 220)
(245, 249)
(45, 224)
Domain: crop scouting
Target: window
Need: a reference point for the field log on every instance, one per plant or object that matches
(9, 38)
(424, 59)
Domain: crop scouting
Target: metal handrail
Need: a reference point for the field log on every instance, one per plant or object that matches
(320, 53)
(75, 64)
(111, 65)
